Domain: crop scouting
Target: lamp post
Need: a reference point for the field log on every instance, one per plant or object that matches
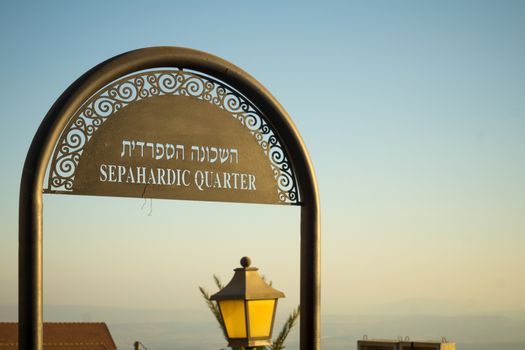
(247, 305)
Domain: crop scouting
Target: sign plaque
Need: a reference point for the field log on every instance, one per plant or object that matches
(174, 135)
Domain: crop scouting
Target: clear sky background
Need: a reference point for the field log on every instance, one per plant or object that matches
(414, 115)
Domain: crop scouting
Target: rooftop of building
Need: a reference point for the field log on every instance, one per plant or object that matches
(63, 335)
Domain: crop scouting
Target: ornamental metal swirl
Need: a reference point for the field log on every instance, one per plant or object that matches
(120, 93)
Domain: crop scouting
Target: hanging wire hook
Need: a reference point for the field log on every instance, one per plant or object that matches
(150, 205)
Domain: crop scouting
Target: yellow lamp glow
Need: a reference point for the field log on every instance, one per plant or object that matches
(233, 315)
(247, 306)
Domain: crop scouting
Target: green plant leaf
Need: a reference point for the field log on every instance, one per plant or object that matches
(218, 282)
(278, 343)
(214, 310)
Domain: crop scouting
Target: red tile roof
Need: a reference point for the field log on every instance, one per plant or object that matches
(63, 335)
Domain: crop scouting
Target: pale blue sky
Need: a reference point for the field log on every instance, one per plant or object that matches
(413, 112)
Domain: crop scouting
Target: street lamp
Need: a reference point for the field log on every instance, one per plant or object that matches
(247, 305)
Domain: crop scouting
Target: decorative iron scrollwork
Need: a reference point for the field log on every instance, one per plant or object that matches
(120, 93)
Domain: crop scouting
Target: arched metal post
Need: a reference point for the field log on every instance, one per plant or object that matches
(30, 309)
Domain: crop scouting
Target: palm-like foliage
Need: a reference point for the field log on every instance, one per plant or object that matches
(278, 343)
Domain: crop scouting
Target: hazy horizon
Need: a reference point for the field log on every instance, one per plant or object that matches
(413, 114)
(165, 329)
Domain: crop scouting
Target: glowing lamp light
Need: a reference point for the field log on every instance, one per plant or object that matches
(247, 305)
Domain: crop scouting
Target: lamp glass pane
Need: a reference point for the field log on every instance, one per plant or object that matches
(233, 315)
(261, 315)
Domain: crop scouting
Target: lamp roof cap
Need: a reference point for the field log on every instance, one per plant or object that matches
(247, 284)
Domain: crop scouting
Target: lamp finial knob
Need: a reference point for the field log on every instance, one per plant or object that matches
(246, 261)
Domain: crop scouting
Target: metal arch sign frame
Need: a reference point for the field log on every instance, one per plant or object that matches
(222, 80)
